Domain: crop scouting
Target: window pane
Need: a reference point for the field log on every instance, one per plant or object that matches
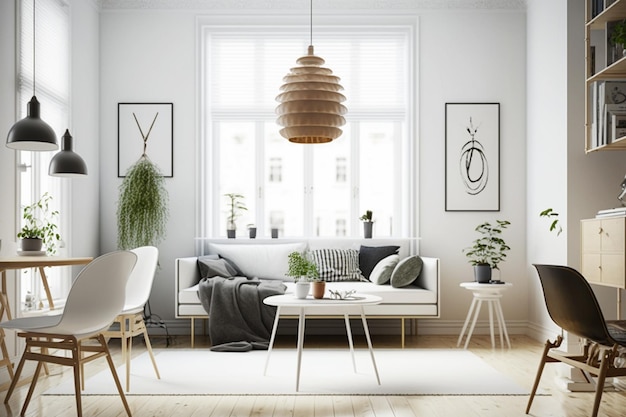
(376, 175)
(237, 153)
(284, 199)
(332, 198)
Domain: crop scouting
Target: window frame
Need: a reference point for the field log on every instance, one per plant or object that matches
(208, 183)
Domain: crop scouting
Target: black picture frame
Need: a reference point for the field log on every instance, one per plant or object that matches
(472, 156)
(154, 120)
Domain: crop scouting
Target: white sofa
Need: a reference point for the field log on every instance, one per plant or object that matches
(418, 300)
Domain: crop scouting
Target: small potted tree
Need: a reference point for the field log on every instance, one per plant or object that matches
(303, 271)
(618, 38)
(236, 207)
(368, 224)
(488, 251)
(39, 228)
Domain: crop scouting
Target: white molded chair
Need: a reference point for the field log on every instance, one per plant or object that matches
(95, 299)
(129, 323)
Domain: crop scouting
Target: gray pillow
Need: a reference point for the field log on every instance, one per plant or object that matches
(406, 272)
(381, 274)
(220, 267)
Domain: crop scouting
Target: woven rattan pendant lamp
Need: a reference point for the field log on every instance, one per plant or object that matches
(310, 108)
(32, 133)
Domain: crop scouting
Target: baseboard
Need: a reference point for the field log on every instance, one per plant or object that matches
(376, 326)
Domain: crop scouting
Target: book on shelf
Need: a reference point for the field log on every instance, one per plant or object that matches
(618, 125)
(608, 98)
(619, 211)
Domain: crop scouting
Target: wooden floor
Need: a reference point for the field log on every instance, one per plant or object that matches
(519, 362)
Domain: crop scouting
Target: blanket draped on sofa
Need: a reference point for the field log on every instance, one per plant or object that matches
(238, 319)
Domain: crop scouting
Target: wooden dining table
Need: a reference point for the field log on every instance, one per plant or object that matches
(22, 262)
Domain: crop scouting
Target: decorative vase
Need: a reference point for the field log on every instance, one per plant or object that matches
(367, 229)
(318, 288)
(302, 288)
(32, 244)
(482, 273)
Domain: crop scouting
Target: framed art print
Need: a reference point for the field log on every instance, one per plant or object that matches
(472, 157)
(145, 128)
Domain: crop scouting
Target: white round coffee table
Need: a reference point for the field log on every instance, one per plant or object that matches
(352, 305)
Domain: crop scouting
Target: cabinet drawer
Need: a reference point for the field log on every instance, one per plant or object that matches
(613, 270)
(590, 233)
(613, 235)
(590, 267)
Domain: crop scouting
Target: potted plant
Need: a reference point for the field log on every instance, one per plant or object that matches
(618, 38)
(368, 224)
(252, 231)
(303, 272)
(39, 228)
(489, 250)
(235, 208)
(142, 209)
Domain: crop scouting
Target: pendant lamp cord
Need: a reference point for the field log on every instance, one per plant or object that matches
(34, 66)
(311, 23)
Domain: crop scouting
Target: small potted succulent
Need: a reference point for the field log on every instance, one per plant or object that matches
(39, 228)
(368, 224)
(488, 251)
(303, 271)
(236, 207)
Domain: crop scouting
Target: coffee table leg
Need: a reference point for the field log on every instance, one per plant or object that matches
(349, 331)
(272, 338)
(300, 344)
(369, 343)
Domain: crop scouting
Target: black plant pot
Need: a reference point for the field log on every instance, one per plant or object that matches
(32, 244)
(367, 229)
(230, 233)
(482, 273)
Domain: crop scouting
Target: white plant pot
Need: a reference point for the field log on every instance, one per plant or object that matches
(302, 289)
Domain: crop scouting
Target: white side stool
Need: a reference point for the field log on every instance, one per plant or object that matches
(491, 293)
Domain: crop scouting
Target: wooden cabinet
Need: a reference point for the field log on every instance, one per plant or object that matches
(603, 255)
(597, 70)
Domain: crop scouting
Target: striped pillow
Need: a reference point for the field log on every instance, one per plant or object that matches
(338, 264)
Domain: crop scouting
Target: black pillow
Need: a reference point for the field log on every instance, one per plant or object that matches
(212, 266)
(369, 256)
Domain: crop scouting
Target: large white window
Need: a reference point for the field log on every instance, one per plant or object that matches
(307, 190)
(51, 78)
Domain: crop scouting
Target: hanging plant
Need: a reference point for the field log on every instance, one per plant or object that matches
(142, 209)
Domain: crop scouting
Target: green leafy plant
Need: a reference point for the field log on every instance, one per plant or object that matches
(618, 34)
(142, 209)
(301, 268)
(367, 217)
(39, 223)
(554, 216)
(236, 207)
(490, 248)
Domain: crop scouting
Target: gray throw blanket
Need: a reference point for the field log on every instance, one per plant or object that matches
(238, 319)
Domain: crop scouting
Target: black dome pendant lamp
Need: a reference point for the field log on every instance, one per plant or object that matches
(32, 133)
(67, 163)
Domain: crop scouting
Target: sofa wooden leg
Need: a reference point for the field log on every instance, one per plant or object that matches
(193, 330)
(402, 331)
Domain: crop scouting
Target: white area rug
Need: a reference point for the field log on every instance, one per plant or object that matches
(324, 372)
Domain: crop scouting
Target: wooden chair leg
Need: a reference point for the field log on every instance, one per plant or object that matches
(31, 389)
(16, 377)
(604, 367)
(146, 338)
(544, 357)
(114, 373)
(77, 367)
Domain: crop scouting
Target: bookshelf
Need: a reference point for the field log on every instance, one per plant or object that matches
(604, 67)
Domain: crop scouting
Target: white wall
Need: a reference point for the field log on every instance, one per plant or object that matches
(473, 56)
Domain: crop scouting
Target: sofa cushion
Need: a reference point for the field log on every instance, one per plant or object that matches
(211, 267)
(337, 264)
(381, 274)
(407, 271)
(369, 256)
(257, 260)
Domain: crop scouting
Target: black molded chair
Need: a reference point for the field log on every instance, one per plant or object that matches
(573, 306)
